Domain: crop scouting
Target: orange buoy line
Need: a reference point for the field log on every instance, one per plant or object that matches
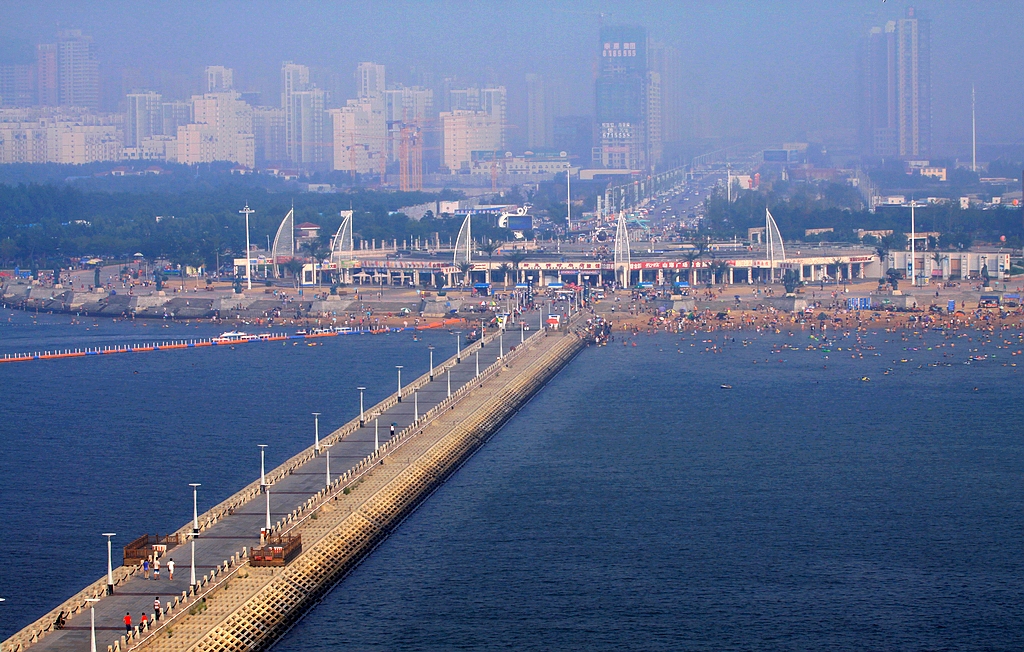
(230, 338)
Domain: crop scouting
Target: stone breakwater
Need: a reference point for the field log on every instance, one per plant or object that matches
(247, 608)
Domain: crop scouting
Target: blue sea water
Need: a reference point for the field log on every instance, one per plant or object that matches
(633, 504)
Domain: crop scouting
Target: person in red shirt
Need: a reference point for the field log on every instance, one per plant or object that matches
(143, 621)
(127, 623)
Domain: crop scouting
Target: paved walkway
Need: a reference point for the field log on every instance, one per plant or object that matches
(227, 537)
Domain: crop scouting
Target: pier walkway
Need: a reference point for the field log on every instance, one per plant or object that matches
(235, 524)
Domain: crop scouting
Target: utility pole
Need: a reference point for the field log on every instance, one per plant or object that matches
(248, 261)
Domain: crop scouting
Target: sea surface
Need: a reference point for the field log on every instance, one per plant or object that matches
(843, 494)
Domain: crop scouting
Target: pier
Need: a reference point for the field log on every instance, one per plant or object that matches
(321, 522)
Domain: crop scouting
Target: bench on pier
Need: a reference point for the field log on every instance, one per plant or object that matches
(148, 545)
(277, 551)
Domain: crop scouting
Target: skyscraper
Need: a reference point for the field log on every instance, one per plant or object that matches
(78, 70)
(539, 113)
(46, 74)
(305, 134)
(221, 131)
(621, 90)
(369, 79)
(219, 79)
(143, 117)
(895, 79)
(667, 62)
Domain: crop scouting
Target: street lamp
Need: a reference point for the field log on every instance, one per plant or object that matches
(328, 467)
(501, 344)
(267, 528)
(110, 565)
(248, 252)
(458, 346)
(316, 432)
(195, 508)
(449, 374)
(430, 347)
(263, 474)
(376, 439)
(522, 331)
(478, 363)
(361, 419)
(92, 625)
(415, 407)
(192, 574)
(399, 367)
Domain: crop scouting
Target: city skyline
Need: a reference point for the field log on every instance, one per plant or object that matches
(751, 71)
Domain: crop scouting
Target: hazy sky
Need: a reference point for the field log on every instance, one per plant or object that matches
(765, 70)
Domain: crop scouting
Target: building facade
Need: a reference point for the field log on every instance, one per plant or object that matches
(465, 132)
(539, 113)
(621, 98)
(221, 130)
(895, 88)
(78, 70)
(143, 117)
(219, 79)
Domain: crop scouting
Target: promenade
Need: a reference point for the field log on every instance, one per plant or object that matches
(226, 531)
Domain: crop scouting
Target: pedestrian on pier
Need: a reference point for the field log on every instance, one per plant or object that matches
(127, 623)
(145, 567)
(170, 569)
(156, 568)
(142, 621)
(156, 608)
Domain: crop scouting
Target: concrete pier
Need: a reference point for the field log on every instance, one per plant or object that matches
(237, 606)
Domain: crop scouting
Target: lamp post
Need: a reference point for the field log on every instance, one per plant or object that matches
(263, 474)
(522, 331)
(316, 433)
(92, 623)
(449, 374)
(501, 344)
(192, 573)
(362, 420)
(248, 251)
(458, 346)
(195, 508)
(328, 467)
(376, 438)
(399, 367)
(431, 349)
(267, 528)
(415, 407)
(110, 565)
(477, 364)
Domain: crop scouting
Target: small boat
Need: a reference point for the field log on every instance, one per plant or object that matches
(726, 386)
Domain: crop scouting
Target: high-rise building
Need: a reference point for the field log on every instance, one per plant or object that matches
(46, 74)
(219, 79)
(668, 63)
(652, 118)
(268, 125)
(221, 131)
(308, 142)
(357, 136)
(622, 98)
(17, 84)
(369, 79)
(895, 88)
(539, 113)
(78, 70)
(143, 117)
(466, 132)
(306, 136)
(173, 115)
(406, 108)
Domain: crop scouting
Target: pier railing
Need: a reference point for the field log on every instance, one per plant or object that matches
(78, 603)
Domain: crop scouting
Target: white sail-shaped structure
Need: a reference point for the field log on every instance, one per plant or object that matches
(343, 245)
(622, 250)
(284, 242)
(464, 244)
(773, 241)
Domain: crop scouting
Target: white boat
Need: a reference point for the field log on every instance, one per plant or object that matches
(231, 337)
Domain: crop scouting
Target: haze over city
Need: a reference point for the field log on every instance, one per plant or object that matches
(767, 71)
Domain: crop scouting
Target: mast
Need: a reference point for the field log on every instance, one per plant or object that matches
(974, 135)
(913, 261)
